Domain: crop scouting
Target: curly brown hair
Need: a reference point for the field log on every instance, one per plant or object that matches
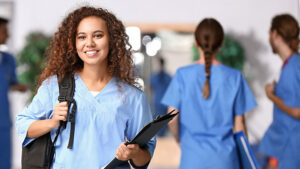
(62, 55)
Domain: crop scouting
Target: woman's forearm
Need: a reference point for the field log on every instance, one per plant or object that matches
(239, 124)
(39, 128)
(294, 112)
(142, 158)
(174, 126)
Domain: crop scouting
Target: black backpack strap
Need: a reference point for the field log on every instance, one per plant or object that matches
(66, 93)
(72, 121)
(52, 148)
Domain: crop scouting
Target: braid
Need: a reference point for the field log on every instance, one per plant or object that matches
(208, 61)
(209, 36)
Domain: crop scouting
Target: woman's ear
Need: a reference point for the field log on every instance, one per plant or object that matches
(275, 34)
(276, 37)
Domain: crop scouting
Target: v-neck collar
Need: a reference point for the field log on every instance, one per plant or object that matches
(287, 60)
(83, 89)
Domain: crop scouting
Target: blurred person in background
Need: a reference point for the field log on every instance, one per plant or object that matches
(212, 99)
(282, 139)
(8, 81)
(159, 83)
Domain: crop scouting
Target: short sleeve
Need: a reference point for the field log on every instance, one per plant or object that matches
(244, 100)
(39, 109)
(141, 116)
(172, 96)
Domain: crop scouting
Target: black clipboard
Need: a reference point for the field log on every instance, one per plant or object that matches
(145, 135)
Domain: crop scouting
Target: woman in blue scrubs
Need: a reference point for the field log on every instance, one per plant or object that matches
(211, 99)
(92, 45)
(282, 139)
(159, 82)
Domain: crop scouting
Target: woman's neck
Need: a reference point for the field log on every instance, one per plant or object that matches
(94, 78)
(214, 61)
(202, 59)
(283, 49)
(285, 53)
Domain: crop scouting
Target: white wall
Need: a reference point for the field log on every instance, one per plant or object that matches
(235, 15)
(246, 20)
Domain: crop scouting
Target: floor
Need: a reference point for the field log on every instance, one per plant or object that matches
(166, 155)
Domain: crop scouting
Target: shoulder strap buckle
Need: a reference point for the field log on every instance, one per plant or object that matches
(66, 93)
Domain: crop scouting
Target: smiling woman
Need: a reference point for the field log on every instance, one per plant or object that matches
(91, 44)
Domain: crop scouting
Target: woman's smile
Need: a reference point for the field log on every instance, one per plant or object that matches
(91, 53)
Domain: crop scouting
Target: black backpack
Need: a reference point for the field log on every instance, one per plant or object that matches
(39, 153)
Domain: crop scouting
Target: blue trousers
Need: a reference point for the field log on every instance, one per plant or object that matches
(5, 148)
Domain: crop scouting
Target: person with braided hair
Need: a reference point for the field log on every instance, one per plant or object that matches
(211, 99)
(282, 139)
(90, 44)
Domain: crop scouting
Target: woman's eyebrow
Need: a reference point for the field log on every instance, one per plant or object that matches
(81, 33)
(98, 31)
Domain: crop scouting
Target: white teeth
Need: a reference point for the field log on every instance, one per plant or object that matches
(91, 52)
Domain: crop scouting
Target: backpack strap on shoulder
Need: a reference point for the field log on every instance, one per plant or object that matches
(66, 93)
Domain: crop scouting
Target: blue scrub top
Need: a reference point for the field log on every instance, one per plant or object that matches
(206, 125)
(282, 139)
(101, 122)
(8, 77)
(159, 84)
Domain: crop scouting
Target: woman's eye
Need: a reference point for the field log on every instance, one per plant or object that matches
(99, 36)
(81, 37)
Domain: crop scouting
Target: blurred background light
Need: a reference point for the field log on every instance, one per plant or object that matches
(134, 34)
(138, 58)
(153, 47)
(146, 39)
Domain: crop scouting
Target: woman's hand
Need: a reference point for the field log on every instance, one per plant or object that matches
(130, 151)
(139, 157)
(41, 127)
(60, 113)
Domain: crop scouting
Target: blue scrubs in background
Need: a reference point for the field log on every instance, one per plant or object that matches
(206, 125)
(101, 122)
(159, 83)
(7, 78)
(282, 139)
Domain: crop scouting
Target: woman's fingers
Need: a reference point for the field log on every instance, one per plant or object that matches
(59, 117)
(62, 108)
(127, 152)
(122, 152)
(60, 111)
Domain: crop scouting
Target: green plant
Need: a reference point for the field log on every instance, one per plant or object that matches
(231, 53)
(31, 60)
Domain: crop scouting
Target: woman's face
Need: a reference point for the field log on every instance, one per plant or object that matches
(3, 33)
(274, 39)
(92, 41)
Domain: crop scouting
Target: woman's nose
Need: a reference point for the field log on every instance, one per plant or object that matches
(90, 42)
